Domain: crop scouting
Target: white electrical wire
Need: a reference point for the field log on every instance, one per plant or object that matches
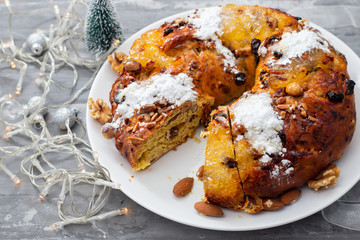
(63, 40)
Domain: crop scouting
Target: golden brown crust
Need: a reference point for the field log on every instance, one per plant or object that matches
(315, 139)
(317, 127)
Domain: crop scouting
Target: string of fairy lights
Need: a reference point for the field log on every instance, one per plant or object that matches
(51, 50)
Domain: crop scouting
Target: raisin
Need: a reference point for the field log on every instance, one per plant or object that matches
(167, 31)
(118, 101)
(335, 97)
(240, 78)
(230, 162)
(350, 84)
(255, 44)
(273, 38)
(173, 132)
(283, 138)
(278, 55)
(219, 115)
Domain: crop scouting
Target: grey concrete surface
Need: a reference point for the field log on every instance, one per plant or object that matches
(23, 217)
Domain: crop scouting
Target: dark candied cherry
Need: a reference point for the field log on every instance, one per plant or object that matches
(283, 138)
(350, 84)
(240, 78)
(278, 55)
(335, 97)
(255, 44)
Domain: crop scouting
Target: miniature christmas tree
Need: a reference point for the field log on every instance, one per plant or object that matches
(102, 28)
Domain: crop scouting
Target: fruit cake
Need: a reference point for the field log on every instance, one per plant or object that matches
(295, 111)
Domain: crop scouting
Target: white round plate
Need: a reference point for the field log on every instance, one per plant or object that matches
(152, 188)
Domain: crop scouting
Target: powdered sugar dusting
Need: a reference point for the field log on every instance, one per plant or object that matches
(285, 162)
(239, 138)
(207, 23)
(262, 123)
(265, 158)
(289, 170)
(208, 28)
(176, 89)
(294, 44)
(262, 51)
(283, 168)
(275, 172)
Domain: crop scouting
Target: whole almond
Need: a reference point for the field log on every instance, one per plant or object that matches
(290, 196)
(208, 209)
(200, 173)
(272, 204)
(183, 187)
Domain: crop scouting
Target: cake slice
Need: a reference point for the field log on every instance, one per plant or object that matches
(154, 116)
(256, 129)
(222, 183)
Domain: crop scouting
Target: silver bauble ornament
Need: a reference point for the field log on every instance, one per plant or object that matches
(37, 43)
(33, 104)
(62, 114)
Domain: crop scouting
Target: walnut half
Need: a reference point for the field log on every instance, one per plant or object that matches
(115, 62)
(326, 178)
(100, 110)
